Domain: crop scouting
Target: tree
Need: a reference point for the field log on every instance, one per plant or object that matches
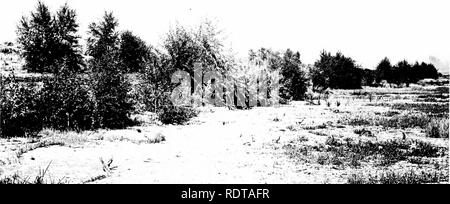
(37, 37)
(48, 39)
(103, 37)
(384, 71)
(201, 45)
(368, 77)
(402, 73)
(336, 72)
(110, 85)
(69, 49)
(156, 80)
(294, 80)
(133, 52)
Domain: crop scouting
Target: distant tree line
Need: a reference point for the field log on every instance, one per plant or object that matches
(404, 73)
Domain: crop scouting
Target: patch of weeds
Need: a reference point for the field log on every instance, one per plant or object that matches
(364, 132)
(353, 153)
(318, 133)
(107, 166)
(39, 179)
(403, 120)
(392, 177)
(391, 113)
(323, 126)
(438, 128)
(302, 139)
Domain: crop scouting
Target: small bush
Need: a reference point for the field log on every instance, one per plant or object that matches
(438, 128)
(176, 115)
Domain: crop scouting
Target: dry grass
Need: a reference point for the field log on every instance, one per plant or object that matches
(438, 128)
(393, 177)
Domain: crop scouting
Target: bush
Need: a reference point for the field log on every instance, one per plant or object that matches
(68, 105)
(408, 120)
(176, 115)
(438, 128)
(19, 109)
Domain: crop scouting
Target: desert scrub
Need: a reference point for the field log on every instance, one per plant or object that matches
(19, 109)
(351, 152)
(431, 109)
(402, 120)
(176, 115)
(438, 128)
(392, 177)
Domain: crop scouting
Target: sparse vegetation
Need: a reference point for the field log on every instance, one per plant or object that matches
(438, 128)
(393, 177)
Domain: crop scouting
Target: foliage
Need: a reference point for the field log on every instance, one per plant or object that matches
(133, 52)
(48, 39)
(110, 86)
(294, 80)
(67, 102)
(336, 72)
(438, 128)
(19, 109)
(405, 73)
(176, 115)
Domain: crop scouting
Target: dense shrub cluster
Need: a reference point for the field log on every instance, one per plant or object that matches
(19, 109)
(176, 115)
(66, 102)
(438, 128)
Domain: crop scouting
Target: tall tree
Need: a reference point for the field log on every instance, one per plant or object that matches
(110, 85)
(185, 47)
(103, 37)
(69, 49)
(336, 72)
(384, 70)
(294, 78)
(133, 52)
(48, 40)
(36, 35)
(402, 73)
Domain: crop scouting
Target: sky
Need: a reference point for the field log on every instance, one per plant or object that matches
(366, 30)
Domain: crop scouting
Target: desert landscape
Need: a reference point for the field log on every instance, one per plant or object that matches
(107, 107)
(369, 138)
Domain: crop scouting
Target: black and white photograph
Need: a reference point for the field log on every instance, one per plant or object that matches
(224, 92)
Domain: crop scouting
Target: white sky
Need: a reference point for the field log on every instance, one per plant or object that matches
(366, 30)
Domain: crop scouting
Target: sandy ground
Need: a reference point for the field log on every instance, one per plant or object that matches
(219, 146)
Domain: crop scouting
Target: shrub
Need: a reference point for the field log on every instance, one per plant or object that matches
(113, 104)
(176, 115)
(67, 103)
(438, 128)
(19, 109)
(408, 120)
